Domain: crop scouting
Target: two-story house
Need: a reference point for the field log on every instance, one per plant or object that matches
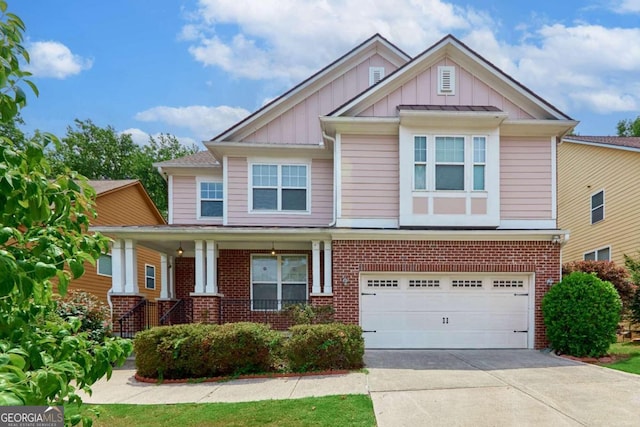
(415, 195)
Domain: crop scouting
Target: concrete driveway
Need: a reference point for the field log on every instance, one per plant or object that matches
(497, 388)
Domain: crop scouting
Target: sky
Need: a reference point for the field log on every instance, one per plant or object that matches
(192, 68)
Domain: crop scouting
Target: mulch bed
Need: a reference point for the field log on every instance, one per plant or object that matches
(596, 360)
(240, 377)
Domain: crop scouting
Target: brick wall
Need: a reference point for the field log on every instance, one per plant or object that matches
(185, 276)
(122, 304)
(351, 257)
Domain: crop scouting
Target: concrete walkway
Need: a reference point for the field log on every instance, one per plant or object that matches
(498, 388)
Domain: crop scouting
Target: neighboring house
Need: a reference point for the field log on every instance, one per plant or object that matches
(415, 195)
(599, 197)
(123, 202)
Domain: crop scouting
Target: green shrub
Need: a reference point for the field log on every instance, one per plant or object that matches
(308, 314)
(93, 314)
(581, 314)
(325, 346)
(200, 350)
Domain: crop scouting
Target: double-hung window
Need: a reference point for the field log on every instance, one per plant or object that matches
(449, 163)
(277, 281)
(603, 254)
(420, 162)
(279, 187)
(149, 276)
(211, 200)
(479, 162)
(597, 207)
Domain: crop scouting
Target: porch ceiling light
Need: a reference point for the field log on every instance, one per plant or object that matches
(180, 251)
(273, 249)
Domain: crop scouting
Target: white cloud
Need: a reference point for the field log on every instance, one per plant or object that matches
(141, 137)
(53, 59)
(205, 122)
(626, 6)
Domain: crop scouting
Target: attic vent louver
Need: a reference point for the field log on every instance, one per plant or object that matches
(375, 75)
(446, 80)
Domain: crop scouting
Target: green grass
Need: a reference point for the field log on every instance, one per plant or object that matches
(629, 354)
(347, 410)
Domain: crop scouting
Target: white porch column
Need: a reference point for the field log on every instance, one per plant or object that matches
(328, 288)
(117, 267)
(164, 277)
(130, 267)
(315, 265)
(200, 268)
(212, 264)
(171, 284)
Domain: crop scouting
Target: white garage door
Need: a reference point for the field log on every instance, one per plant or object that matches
(452, 311)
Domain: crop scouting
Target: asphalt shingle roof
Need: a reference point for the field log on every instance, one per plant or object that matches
(617, 141)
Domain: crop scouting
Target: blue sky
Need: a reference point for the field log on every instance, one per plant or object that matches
(194, 67)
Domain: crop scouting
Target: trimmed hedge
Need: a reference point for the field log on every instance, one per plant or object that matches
(202, 351)
(324, 346)
(581, 314)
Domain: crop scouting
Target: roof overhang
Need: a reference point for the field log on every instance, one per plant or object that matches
(537, 127)
(457, 119)
(237, 148)
(360, 125)
(600, 144)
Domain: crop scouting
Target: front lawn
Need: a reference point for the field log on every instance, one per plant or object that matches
(627, 355)
(347, 410)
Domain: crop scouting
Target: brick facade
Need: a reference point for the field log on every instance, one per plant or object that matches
(351, 257)
(122, 304)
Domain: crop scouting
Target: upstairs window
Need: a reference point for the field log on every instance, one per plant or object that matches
(420, 162)
(279, 187)
(449, 163)
(603, 254)
(211, 200)
(597, 207)
(479, 160)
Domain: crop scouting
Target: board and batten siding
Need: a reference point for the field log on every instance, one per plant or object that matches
(321, 188)
(423, 90)
(300, 125)
(526, 178)
(584, 170)
(370, 176)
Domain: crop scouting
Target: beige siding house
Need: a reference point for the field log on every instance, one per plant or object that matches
(599, 197)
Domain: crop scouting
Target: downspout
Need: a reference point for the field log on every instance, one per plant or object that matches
(335, 195)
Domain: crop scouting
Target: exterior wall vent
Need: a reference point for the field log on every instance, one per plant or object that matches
(446, 80)
(375, 75)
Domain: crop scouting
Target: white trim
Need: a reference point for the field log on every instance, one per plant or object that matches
(211, 285)
(170, 200)
(130, 267)
(225, 190)
(595, 252)
(164, 276)
(206, 180)
(279, 163)
(554, 179)
(604, 208)
(117, 266)
(527, 224)
(315, 267)
(328, 260)
(337, 172)
(98, 266)
(531, 335)
(155, 277)
(199, 285)
(367, 222)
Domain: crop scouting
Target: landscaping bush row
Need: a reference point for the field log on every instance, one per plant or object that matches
(202, 351)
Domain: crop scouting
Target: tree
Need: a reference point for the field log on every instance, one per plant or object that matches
(44, 219)
(103, 153)
(609, 272)
(629, 127)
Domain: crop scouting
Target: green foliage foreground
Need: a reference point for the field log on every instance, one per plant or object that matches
(44, 359)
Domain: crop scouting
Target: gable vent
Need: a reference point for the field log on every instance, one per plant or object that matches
(446, 80)
(375, 75)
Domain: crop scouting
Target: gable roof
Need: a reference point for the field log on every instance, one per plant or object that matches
(288, 99)
(448, 45)
(104, 187)
(199, 159)
(631, 143)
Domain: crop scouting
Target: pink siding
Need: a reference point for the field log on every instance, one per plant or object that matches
(370, 173)
(185, 199)
(478, 206)
(525, 178)
(300, 125)
(321, 197)
(423, 89)
(449, 206)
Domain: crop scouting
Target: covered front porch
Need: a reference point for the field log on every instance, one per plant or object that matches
(219, 275)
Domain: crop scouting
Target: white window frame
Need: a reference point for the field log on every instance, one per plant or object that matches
(98, 266)
(424, 163)
(372, 75)
(592, 209)
(595, 252)
(469, 163)
(479, 163)
(444, 72)
(279, 188)
(199, 182)
(279, 282)
(155, 276)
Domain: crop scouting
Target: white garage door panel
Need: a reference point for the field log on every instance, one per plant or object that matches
(472, 311)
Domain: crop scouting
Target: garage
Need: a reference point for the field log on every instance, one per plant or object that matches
(446, 311)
